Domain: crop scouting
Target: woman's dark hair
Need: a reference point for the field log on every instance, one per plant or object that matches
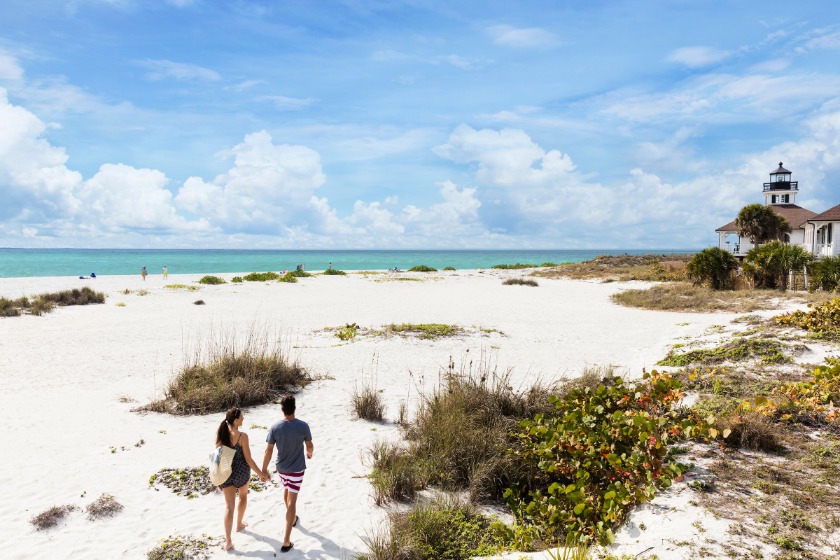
(223, 433)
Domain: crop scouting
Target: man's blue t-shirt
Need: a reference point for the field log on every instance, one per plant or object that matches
(288, 437)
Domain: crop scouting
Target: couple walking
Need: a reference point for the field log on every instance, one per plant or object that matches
(290, 436)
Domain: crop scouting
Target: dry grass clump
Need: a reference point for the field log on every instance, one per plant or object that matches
(682, 296)
(659, 268)
(459, 439)
(753, 431)
(229, 371)
(423, 330)
(104, 506)
(368, 405)
(520, 282)
(51, 517)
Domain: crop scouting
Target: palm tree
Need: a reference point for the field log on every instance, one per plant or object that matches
(761, 224)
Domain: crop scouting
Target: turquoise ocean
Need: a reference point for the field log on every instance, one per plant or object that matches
(82, 262)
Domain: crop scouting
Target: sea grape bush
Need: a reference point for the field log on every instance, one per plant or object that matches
(823, 317)
(603, 451)
(814, 401)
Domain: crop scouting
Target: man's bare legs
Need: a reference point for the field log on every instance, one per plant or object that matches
(290, 498)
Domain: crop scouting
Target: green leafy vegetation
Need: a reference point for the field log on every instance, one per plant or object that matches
(348, 332)
(211, 280)
(288, 277)
(766, 350)
(181, 287)
(599, 453)
(449, 268)
(520, 282)
(823, 319)
(228, 371)
(423, 330)
(261, 276)
(826, 274)
(237, 280)
(713, 267)
(768, 265)
(438, 531)
(334, 272)
(184, 482)
(300, 273)
(422, 268)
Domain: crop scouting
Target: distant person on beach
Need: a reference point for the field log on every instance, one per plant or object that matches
(143, 273)
(290, 435)
(229, 435)
(165, 273)
(93, 275)
(329, 267)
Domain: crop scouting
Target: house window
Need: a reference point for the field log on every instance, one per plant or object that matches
(773, 199)
(785, 198)
(828, 237)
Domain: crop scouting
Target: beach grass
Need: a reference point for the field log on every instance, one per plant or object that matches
(44, 303)
(520, 282)
(182, 287)
(367, 404)
(104, 506)
(423, 330)
(227, 370)
(440, 529)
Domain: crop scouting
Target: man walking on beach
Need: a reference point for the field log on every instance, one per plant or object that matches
(290, 435)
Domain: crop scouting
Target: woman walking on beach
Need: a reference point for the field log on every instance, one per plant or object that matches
(143, 273)
(228, 434)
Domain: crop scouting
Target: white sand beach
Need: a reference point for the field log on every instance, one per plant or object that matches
(71, 378)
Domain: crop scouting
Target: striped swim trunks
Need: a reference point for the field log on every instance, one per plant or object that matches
(292, 480)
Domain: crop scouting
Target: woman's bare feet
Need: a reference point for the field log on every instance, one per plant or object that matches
(241, 526)
(227, 546)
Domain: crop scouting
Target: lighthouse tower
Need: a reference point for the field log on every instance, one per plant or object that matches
(780, 189)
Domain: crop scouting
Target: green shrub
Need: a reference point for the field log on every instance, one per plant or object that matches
(825, 274)
(449, 268)
(299, 273)
(334, 272)
(520, 282)
(227, 371)
(211, 280)
(41, 306)
(548, 264)
(288, 277)
(348, 331)
(768, 265)
(236, 280)
(261, 276)
(600, 452)
(768, 350)
(422, 268)
(714, 267)
(438, 531)
(823, 318)
(514, 266)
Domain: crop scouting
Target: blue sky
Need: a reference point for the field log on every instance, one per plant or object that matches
(421, 124)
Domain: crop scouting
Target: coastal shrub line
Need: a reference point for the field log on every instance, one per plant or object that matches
(44, 303)
(228, 371)
(655, 268)
(261, 276)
